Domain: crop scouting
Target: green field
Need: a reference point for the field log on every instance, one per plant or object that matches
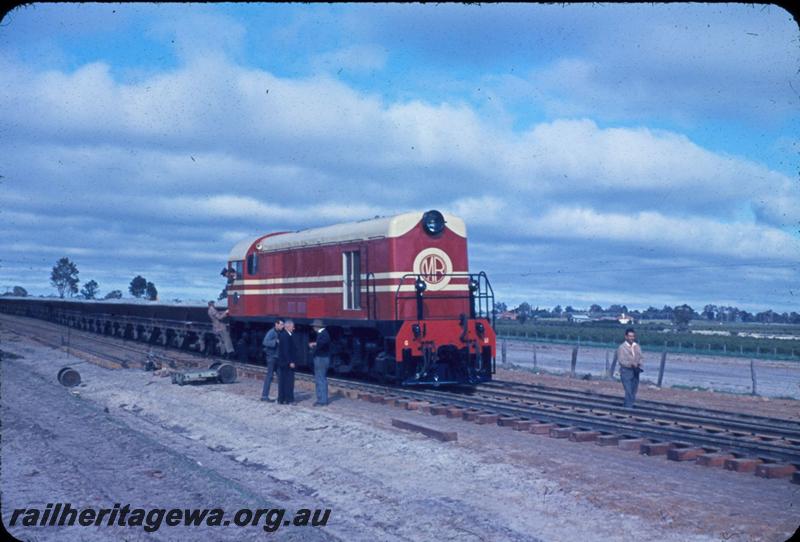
(662, 335)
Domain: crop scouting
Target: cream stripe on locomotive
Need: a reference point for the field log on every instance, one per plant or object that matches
(324, 278)
(339, 290)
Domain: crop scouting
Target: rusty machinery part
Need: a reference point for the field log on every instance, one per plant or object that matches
(69, 377)
(218, 372)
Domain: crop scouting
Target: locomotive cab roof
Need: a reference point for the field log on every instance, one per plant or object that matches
(373, 228)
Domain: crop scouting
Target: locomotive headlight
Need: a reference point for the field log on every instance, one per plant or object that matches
(473, 285)
(416, 330)
(433, 222)
(420, 285)
(480, 328)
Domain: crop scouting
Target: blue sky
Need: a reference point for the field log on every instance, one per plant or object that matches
(625, 153)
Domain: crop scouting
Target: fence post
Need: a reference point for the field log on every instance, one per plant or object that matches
(753, 375)
(534, 356)
(574, 361)
(607, 364)
(503, 347)
(661, 367)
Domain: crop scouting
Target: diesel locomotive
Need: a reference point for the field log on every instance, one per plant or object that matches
(395, 294)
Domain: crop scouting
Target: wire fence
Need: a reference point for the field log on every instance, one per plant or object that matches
(771, 378)
(789, 352)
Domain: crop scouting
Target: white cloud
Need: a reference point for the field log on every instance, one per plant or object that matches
(693, 235)
(212, 146)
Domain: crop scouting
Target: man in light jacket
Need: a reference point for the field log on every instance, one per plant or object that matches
(629, 357)
(270, 344)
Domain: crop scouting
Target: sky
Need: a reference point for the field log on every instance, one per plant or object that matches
(621, 153)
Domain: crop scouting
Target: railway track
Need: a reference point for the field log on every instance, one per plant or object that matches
(737, 424)
(746, 442)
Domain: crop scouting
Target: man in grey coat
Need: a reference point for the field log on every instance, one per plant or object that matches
(322, 361)
(629, 356)
(270, 344)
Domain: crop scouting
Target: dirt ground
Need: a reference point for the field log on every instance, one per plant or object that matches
(126, 436)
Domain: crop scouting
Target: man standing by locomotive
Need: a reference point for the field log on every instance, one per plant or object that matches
(629, 356)
(322, 361)
(220, 329)
(270, 344)
(287, 359)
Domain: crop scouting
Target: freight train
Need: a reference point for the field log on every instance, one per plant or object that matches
(395, 294)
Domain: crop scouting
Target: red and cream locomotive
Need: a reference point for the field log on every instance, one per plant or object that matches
(394, 292)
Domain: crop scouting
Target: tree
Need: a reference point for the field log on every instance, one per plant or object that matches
(682, 315)
(89, 290)
(151, 292)
(138, 286)
(616, 310)
(523, 312)
(19, 291)
(113, 294)
(557, 310)
(596, 309)
(65, 277)
(710, 312)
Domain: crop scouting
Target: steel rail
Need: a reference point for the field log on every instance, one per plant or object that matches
(614, 400)
(769, 426)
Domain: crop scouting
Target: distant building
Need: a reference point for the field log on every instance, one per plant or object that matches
(578, 318)
(507, 315)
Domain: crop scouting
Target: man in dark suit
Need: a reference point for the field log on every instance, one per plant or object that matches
(322, 361)
(287, 360)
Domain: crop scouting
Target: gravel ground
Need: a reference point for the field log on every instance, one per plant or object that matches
(129, 437)
(719, 373)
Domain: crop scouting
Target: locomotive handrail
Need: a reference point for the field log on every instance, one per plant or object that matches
(372, 299)
(484, 293)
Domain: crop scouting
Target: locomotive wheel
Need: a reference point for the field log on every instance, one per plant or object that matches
(384, 369)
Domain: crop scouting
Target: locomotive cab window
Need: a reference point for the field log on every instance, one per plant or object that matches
(351, 280)
(237, 266)
(252, 264)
